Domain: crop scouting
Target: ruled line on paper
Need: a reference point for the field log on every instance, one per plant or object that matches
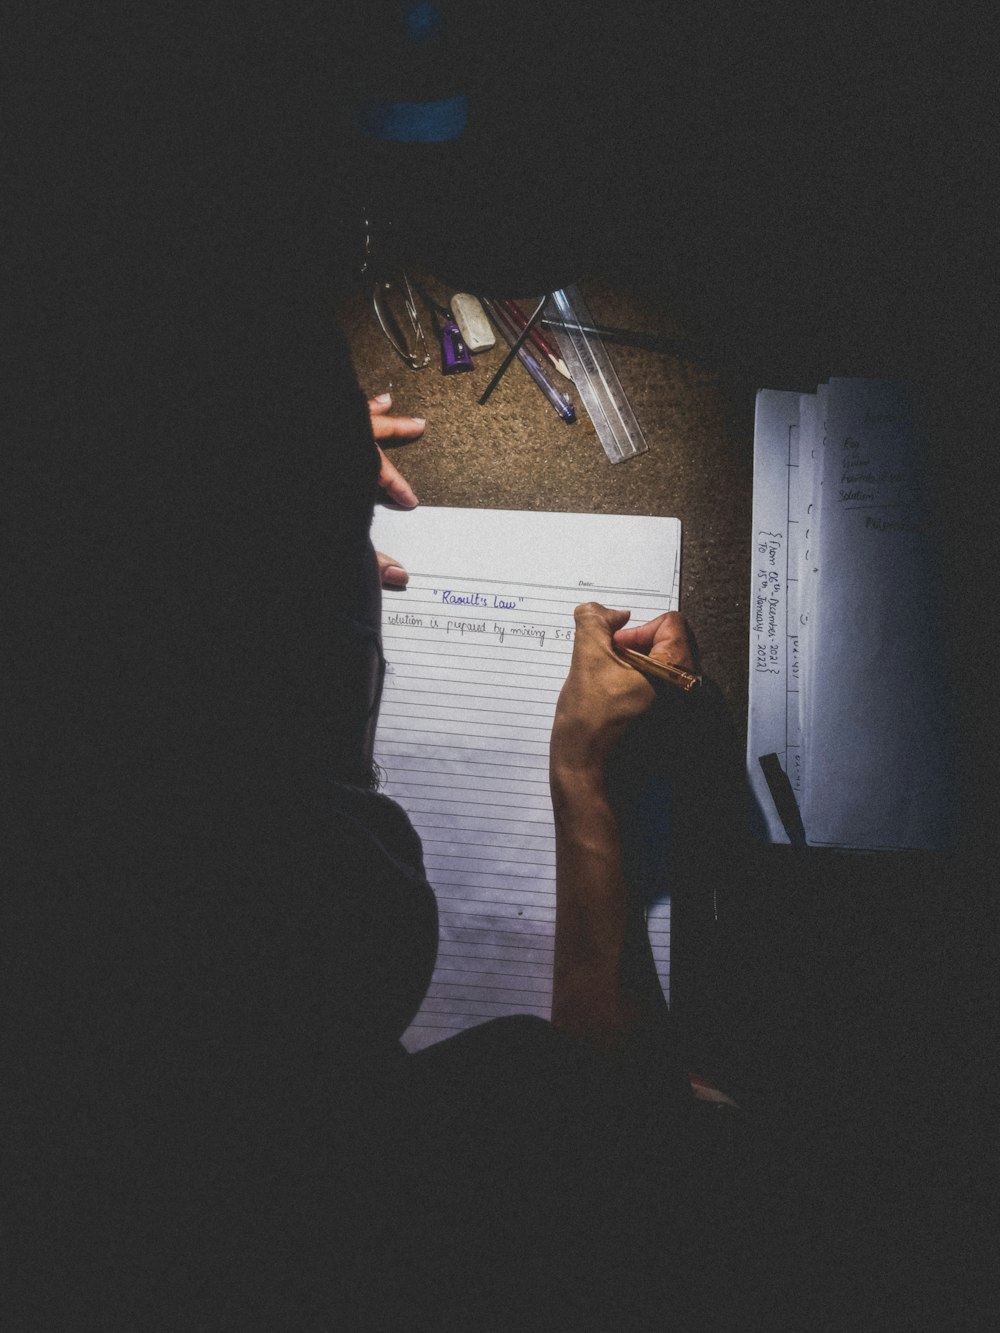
(454, 581)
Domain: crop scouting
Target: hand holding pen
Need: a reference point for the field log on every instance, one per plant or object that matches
(661, 649)
(601, 695)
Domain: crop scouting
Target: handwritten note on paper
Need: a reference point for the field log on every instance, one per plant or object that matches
(477, 647)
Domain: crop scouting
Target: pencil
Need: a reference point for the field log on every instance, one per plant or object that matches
(519, 318)
(532, 365)
(684, 680)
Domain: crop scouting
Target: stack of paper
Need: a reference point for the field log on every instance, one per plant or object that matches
(478, 646)
(847, 685)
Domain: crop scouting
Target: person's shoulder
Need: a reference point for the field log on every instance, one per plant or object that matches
(372, 826)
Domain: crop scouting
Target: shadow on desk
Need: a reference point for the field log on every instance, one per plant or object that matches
(839, 999)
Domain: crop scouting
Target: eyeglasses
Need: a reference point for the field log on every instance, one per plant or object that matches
(395, 306)
(396, 311)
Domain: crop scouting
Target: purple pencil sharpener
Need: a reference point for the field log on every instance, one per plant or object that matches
(455, 356)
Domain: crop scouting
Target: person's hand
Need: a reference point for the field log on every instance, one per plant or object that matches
(602, 692)
(391, 480)
(384, 427)
(666, 638)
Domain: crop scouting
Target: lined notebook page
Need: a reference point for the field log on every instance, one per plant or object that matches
(477, 647)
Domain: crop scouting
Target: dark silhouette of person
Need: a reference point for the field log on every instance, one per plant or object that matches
(216, 929)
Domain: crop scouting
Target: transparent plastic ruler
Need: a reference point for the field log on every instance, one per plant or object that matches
(593, 374)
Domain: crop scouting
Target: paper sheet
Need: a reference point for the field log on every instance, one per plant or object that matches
(879, 717)
(843, 686)
(477, 647)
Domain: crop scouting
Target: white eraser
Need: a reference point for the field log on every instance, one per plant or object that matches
(470, 317)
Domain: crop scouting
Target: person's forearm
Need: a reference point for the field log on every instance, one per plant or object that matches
(601, 696)
(591, 902)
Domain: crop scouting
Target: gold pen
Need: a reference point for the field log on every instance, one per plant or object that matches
(684, 680)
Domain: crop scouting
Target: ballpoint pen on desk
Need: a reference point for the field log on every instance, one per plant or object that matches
(558, 400)
(513, 349)
(519, 319)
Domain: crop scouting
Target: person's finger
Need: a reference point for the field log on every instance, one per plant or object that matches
(592, 617)
(666, 637)
(395, 485)
(594, 637)
(640, 637)
(380, 404)
(390, 571)
(672, 642)
(601, 692)
(397, 428)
